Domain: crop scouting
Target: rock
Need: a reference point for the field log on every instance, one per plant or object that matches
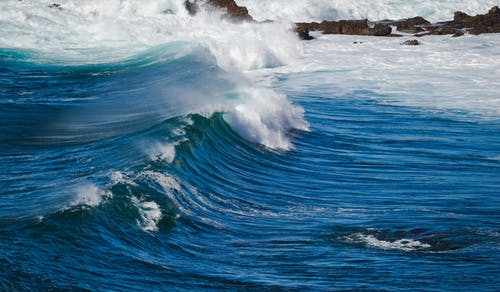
(411, 25)
(191, 6)
(418, 26)
(481, 23)
(460, 16)
(232, 10)
(350, 27)
(354, 27)
(55, 6)
(410, 43)
(304, 34)
(381, 30)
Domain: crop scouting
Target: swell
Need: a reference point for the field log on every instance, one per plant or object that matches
(67, 127)
(54, 104)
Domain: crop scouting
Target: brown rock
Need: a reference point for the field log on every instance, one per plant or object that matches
(350, 27)
(410, 43)
(232, 10)
(303, 33)
(411, 25)
(460, 16)
(381, 30)
(481, 23)
(354, 27)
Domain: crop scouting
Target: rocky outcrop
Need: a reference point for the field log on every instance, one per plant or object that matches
(463, 23)
(351, 27)
(410, 43)
(231, 10)
(481, 23)
(418, 26)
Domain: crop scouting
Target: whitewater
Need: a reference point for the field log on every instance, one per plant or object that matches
(143, 148)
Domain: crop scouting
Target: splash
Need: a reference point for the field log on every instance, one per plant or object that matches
(150, 213)
(89, 195)
(266, 117)
(403, 244)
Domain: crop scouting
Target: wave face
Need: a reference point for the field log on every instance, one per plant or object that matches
(144, 149)
(318, 10)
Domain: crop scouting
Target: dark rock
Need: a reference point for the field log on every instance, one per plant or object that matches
(350, 27)
(55, 6)
(381, 30)
(304, 34)
(411, 25)
(410, 43)
(232, 10)
(460, 16)
(461, 23)
(481, 23)
(191, 6)
(354, 27)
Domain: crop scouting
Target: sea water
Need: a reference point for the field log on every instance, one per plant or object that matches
(145, 149)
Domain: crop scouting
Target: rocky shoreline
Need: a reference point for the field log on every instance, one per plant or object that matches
(461, 24)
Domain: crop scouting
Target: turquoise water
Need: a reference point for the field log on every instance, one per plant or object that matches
(114, 177)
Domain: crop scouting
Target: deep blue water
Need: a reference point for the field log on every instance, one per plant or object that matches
(375, 196)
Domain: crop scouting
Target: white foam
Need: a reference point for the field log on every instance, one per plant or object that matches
(150, 214)
(265, 117)
(89, 195)
(443, 73)
(91, 31)
(118, 177)
(167, 182)
(317, 10)
(162, 151)
(400, 244)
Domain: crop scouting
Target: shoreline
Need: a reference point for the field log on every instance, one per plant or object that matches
(417, 26)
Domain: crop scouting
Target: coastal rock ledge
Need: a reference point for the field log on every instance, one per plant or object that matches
(418, 26)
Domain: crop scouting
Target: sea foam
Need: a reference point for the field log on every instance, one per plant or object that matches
(403, 244)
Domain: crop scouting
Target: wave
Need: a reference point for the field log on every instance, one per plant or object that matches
(93, 31)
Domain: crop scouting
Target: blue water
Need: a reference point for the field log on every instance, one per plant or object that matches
(373, 197)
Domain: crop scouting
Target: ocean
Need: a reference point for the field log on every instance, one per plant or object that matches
(144, 149)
